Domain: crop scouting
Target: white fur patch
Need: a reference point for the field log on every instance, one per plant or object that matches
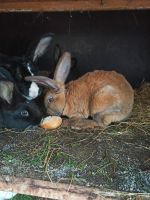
(33, 90)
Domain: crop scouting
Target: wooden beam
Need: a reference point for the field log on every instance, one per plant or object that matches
(47, 189)
(62, 191)
(71, 5)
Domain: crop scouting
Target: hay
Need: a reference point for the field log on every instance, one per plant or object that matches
(141, 110)
(116, 157)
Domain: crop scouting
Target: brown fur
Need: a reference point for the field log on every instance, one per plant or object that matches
(106, 96)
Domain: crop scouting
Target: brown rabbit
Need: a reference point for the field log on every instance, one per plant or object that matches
(106, 96)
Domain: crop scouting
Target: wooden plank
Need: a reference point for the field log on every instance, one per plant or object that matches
(72, 5)
(47, 189)
(61, 191)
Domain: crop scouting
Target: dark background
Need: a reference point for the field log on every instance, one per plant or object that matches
(118, 40)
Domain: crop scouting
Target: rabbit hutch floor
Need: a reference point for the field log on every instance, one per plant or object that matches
(117, 158)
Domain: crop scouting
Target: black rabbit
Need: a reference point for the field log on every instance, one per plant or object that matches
(20, 114)
(19, 67)
(16, 111)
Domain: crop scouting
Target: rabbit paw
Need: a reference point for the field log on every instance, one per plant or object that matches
(79, 124)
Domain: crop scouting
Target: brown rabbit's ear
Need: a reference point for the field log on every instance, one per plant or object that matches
(44, 81)
(63, 67)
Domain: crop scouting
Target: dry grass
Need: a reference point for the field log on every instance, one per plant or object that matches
(95, 154)
(140, 118)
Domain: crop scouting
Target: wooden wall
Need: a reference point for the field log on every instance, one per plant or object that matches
(112, 40)
(71, 5)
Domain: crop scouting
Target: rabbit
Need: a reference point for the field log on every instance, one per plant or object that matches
(20, 114)
(15, 111)
(26, 65)
(105, 96)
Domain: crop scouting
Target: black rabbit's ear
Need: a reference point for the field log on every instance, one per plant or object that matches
(5, 74)
(63, 67)
(6, 91)
(39, 47)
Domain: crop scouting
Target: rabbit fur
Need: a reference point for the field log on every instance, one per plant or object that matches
(105, 96)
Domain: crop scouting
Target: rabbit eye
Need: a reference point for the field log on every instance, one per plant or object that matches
(50, 99)
(24, 113)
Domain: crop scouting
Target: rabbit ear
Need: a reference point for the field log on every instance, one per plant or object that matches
(63, 67)
(6, 91)
(40, 48)
(5, 74)
(44, 81)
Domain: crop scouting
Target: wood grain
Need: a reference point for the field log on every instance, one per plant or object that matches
(47, 189)
(72, 5)
(61, 191)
